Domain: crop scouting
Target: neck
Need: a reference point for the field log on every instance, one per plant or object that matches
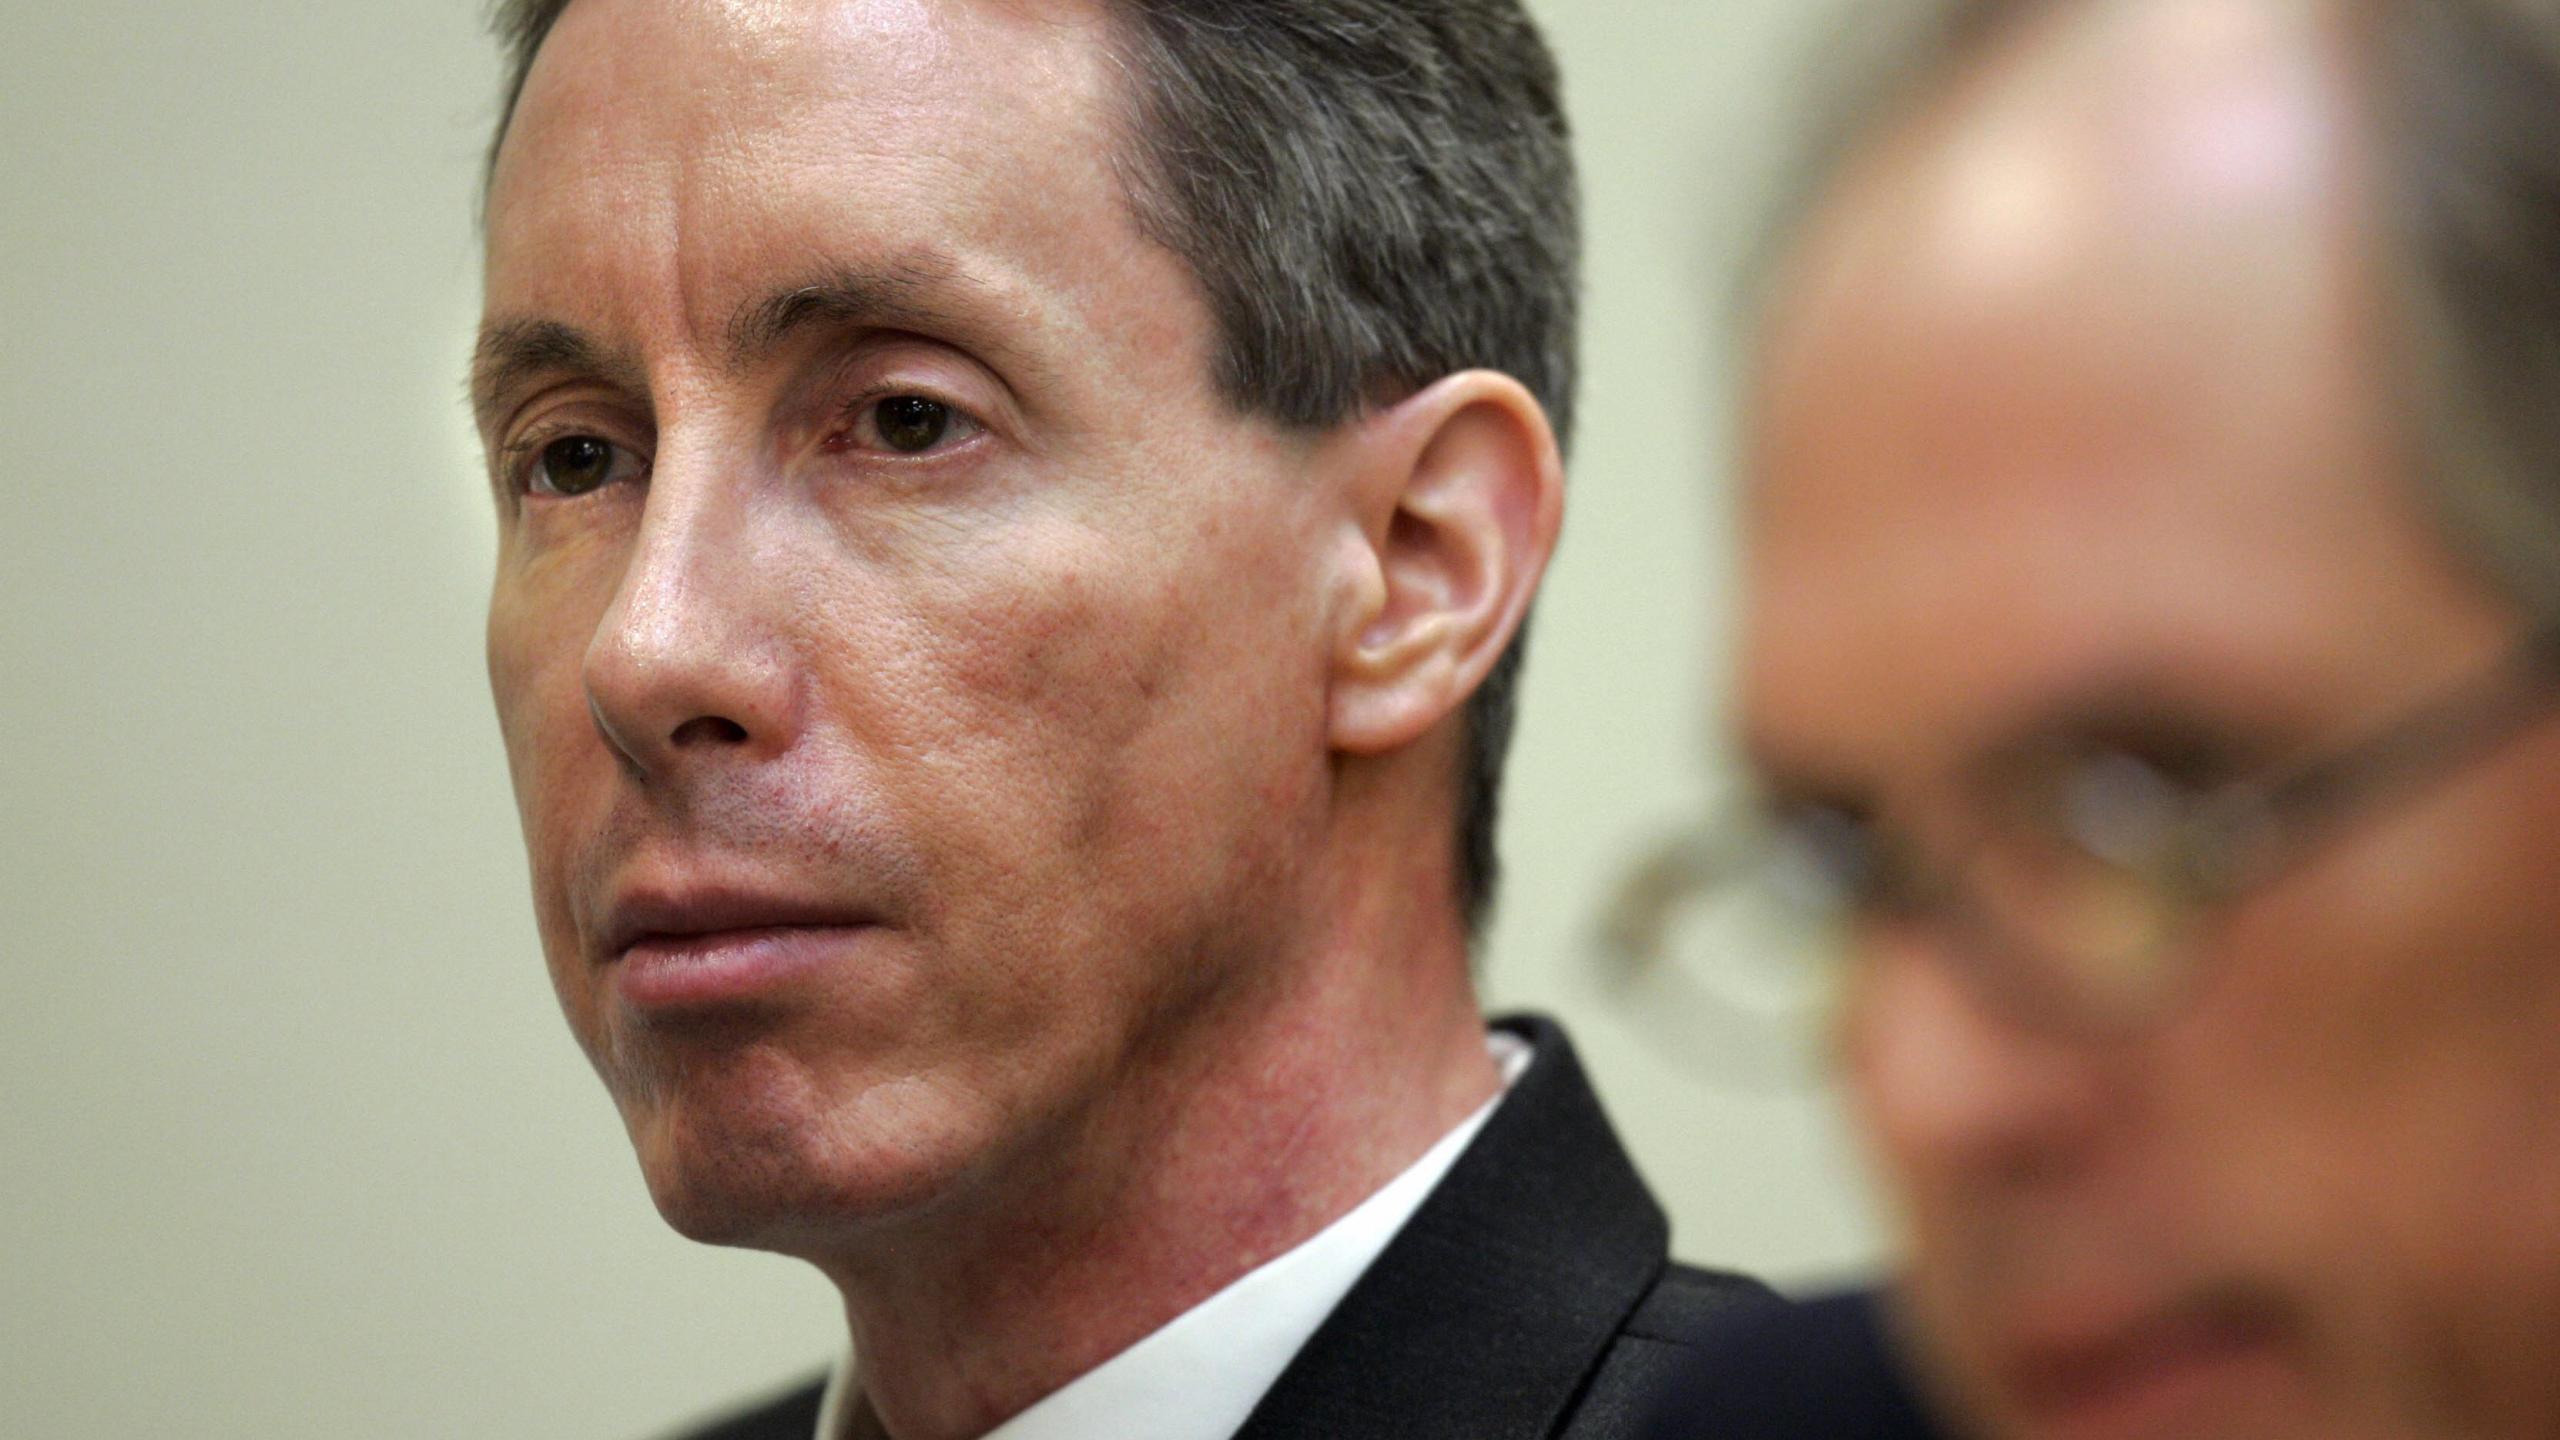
(1270, 1117)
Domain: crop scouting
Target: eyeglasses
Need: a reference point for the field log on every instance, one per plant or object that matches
(2075, 898)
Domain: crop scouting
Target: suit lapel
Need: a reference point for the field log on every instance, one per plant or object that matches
(1485, 1316)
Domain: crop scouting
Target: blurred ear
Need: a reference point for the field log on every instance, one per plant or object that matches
(1457, 497)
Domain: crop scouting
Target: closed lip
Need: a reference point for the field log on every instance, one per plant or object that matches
(644, 917)
(2091, 1366)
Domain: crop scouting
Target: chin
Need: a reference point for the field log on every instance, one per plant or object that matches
(769, 1167)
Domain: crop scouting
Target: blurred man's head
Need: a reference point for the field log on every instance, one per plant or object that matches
(2154, 502)
(983, 609)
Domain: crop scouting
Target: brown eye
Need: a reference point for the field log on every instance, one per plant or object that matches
(911, 424)
(574, 465)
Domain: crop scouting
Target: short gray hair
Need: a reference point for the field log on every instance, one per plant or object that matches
(1372, 194)
(2462, 96)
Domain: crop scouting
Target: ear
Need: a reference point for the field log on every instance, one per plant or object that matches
(1457, 496)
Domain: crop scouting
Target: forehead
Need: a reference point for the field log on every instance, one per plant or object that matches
(2080, 384)
(670, 159)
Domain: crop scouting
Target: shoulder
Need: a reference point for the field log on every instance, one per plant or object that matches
(792, 1415)
(1817, 1368)
(1676, 1327)
(1690, 1307)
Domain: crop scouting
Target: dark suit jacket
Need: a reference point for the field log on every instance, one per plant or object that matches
(1820, 1370)
(1532, 1296)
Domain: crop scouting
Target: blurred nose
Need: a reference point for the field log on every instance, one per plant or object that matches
(1958, 1091)
(687, 668)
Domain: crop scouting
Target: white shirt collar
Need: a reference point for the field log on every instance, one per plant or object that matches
(1201, 1374)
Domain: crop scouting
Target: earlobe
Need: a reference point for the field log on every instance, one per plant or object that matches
(1461, 495)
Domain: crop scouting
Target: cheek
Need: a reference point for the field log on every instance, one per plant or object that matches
(1090, 722)
(560, 771)
(1886, 1067)
(2373, 1079)
(1935, 1295)
(2396, 1011)
(543, 613)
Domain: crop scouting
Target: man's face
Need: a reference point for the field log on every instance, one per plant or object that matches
(911, 671)
(2102, 455)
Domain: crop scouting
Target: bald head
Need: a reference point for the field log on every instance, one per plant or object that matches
(2170, 175)
(2132, 182)
(2138, 124)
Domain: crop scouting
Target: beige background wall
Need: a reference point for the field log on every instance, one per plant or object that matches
(292, 1142)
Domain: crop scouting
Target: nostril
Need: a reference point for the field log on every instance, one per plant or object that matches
(709, 730)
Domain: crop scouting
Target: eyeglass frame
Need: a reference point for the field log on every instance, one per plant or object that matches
(2234, 838)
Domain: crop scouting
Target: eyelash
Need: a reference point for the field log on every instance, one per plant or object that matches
(855, 413)
(521, 456)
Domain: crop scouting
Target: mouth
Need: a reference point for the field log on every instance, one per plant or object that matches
(708, 950)
(2186, 1369)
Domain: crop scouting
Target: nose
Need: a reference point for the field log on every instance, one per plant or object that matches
(687, 667)
(1958, 1091)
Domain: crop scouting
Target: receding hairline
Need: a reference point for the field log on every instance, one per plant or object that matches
(1890, 65)
(2278, 126)
(1118, 100)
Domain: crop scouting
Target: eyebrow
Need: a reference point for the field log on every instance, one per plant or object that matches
(903, 295)
(2122, 711)
(893, 295)
(1786, 779)
(514, 353)
(926, 292)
